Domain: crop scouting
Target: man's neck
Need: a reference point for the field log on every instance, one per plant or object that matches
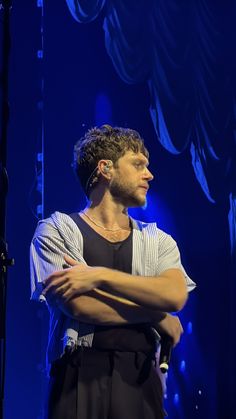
(109, 213)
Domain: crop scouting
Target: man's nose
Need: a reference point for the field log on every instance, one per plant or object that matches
(148, 175)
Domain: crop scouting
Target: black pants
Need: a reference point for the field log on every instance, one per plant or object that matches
(92, 384)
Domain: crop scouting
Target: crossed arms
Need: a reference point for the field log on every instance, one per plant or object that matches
(105, 296)
(100, 295)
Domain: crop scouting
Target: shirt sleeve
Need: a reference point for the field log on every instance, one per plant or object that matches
(47, 250)
(169, 258)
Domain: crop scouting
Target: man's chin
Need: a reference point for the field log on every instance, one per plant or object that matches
(129, 200)
(138, 202)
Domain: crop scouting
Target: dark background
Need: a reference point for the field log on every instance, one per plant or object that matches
(82, 89)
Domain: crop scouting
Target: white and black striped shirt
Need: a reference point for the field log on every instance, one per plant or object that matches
(154, 251)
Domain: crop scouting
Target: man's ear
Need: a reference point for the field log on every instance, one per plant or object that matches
(104, 167)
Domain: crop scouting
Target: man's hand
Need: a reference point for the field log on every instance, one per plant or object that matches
(80, 278)
(170, 325)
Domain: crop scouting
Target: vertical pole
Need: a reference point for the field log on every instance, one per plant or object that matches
(5, 7)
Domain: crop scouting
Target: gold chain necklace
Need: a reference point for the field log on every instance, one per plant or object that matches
(101, 226)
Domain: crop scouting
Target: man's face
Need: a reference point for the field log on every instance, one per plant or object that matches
(129, 183)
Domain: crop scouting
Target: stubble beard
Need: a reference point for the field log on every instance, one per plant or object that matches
(126, 194)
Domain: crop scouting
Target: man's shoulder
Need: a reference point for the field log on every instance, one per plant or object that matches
(141, 225)
(57, 221)
(149, 227)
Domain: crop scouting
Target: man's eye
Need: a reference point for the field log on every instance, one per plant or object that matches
(139, 166)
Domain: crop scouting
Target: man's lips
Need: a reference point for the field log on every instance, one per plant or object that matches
(146, 187)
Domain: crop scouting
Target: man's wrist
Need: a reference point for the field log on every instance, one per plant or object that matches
(107, 276)
(157, 316)
(104, 278)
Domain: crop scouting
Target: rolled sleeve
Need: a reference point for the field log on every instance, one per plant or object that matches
(48, 247)
(46, 256)
(169, 258)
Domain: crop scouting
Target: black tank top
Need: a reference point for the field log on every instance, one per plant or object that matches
(98, 251)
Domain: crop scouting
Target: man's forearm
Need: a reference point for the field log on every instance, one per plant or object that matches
(168, 292)
(97, 307)
(103, 309)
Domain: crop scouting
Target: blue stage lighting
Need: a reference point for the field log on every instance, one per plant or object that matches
(176, 398)
(182, 366)
(189, 328)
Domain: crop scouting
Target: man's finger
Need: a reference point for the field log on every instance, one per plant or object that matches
(53, 277)
(70, 261)
(53, 285)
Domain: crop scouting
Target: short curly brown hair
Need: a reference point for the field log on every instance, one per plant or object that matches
(99, 143)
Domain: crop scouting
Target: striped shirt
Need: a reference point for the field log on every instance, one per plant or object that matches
(153, 252)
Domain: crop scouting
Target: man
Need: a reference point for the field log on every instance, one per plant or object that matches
(110, 281)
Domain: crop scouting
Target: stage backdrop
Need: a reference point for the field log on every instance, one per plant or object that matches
(167, 71)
